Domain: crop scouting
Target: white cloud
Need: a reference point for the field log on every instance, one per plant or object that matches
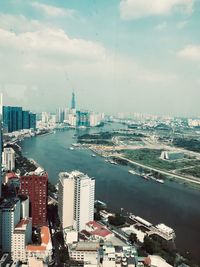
(161, 26)
(190, 52)
(18, 23)
(51, 43)
(134, 9)
(52, 10)
(182, 24)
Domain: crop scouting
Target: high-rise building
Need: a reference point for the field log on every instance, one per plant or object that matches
(73, 104)
(45, 117)
(15, 119)
(12, 118)
(35, 186)
(25, 119)
(22, 236)
(72, 119)
(8, 158)
(32, 120)
(83, 119)
(9, 218)
(60, 115)
(75, 199)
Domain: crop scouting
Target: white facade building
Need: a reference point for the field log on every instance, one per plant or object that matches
(45, 117)
(60, 115)
(87, 252)
(21, 237)
(8, 158)
(9, 218)
(70, 235)
(75, 199)
(72, 119)
(95, 119)
(25, 207)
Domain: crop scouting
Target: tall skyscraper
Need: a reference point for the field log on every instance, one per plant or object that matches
(15, 119)
(8, 158)
(60, 115)
(73, 104)
(25, 119)
(9, 218)
(32, 120)
(75, 199)
(83, 118)
(35, 185)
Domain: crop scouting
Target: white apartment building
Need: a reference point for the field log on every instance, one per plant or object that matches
(75, 199)
(25, 207)
(87, 252)
(45, 117)
(21, 237)
(95, 119)
(72, 119)
(8, 158)
(9, 218)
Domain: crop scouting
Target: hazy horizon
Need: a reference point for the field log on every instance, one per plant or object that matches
(118, 55)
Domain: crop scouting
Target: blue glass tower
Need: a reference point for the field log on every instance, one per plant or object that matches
(26, 120)
(32, 120)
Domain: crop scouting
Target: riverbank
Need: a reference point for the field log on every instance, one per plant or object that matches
(190, 181)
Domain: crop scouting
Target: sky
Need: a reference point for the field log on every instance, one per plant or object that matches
(116, 55)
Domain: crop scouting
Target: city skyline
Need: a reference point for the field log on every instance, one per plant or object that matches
(117, 56)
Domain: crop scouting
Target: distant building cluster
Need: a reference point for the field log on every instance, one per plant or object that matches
(15, 119)
(193, 122)
(72, 116)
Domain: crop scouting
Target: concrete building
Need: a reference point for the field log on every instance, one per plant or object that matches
(95, 119)
(35, 185)
(86, 252)
(83, 119)
(8, 158)
(21, 238)
(9, 218)
(75, 199)
(60, 115)
(44, 251)
(166, 231)
(45, 117)
(70, 235)
(24, 206)
(98, 231)
(72, 119)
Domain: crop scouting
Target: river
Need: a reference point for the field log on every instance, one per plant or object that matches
(176, 205)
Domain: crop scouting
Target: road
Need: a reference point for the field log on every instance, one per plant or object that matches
(192, 180)
(55, 247)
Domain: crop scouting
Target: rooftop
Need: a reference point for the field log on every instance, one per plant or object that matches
(9, 203)
(45, 241)
(85, 246)
(23, 224)
(98, 229)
